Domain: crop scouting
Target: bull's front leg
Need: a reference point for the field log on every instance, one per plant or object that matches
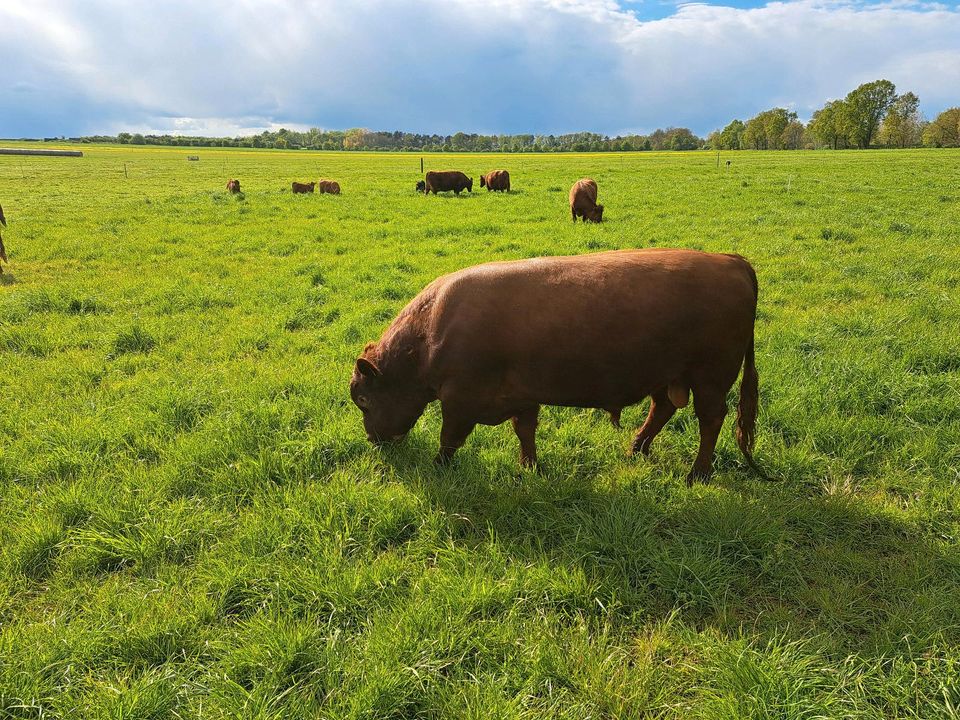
(453, 434)
(525, 426)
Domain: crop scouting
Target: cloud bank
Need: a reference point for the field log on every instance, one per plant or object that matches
(223, 67)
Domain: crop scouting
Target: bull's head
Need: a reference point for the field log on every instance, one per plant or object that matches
(421, 185)
(470, 185)
(390, 406)
(483, 181)
(597, 214)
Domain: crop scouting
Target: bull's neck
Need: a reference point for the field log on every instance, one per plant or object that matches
(400, 347)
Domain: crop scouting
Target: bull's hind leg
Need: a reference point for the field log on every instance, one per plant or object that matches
(661, 410)
(711, 408)
(525, 426)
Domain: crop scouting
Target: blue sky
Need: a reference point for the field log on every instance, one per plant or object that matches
(225, 67)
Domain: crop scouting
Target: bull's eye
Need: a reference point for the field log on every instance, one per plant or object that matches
(362, 402)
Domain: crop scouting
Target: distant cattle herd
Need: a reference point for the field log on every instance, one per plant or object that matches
(583, 194)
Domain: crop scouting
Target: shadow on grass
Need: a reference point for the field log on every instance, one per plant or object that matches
(781, 559)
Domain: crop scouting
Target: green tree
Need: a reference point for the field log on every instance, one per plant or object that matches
(944, 131)
(766, 130)
(901, 124)
(829, 124)
(867, 106)
(731, 137)
(792, 136)
(682, 139)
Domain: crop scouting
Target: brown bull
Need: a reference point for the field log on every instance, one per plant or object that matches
(496, 180)
(331, 187)
(583, 201)
(299, 187)
(496, 341)
(233, 186)
(444, 180)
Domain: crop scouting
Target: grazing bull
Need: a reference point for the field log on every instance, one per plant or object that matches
(3, 250)
(444, 180)
(421, 186)
(233, 186)
(331, 187)
(496, 341)
(496, 180)
(303, 187)
(583, 201)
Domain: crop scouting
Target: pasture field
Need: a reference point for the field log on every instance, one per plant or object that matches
(193, 525)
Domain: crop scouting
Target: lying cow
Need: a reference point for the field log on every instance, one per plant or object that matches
(3, 250)
(331, 187)
(496, 341)
(233, 186)
(583, 201)
(303, 187)
(437, 182)
(496, 180)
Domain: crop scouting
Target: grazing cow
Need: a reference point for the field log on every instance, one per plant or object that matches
(496, 341)
(3, 250)
(444, 180)
(303, 187)
(583, 201)
(331, 187)
(421, 186)
(233, 186)
(496, 180)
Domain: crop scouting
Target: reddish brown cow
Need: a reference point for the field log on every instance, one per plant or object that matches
(331, 187)
(299, 187)
(496, 180)
(583, 201)
(496, 341)
(3, 250)
(233, 186)
(443, 180)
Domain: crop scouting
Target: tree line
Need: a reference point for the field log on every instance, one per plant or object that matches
(367, 140)
(872, 115)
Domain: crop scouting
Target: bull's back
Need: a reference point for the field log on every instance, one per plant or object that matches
(583, 193)
(588, 330)
(446, 179)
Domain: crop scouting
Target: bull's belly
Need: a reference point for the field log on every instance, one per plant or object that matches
(603, 390)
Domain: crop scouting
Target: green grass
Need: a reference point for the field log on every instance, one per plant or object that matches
(192, 523)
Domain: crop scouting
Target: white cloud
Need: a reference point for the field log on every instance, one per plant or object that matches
(231, 66)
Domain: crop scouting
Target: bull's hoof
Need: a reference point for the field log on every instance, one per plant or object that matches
(442, 459)
(697, 476)
(528, 464)
(641, 446)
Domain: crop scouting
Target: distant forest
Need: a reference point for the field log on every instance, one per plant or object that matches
(872, 115)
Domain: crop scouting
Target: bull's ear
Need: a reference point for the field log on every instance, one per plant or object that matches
(367, 368)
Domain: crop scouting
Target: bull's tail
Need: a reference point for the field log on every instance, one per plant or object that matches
(749, 400)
